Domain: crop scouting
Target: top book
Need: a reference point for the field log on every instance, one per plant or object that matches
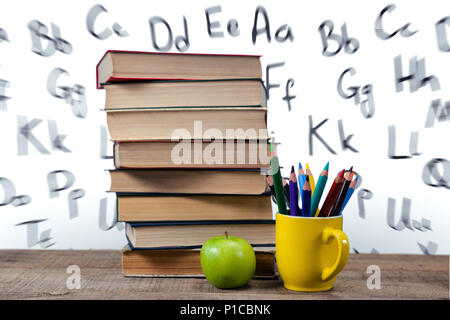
(118, 66)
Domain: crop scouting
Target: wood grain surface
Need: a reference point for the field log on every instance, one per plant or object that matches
(41, 274)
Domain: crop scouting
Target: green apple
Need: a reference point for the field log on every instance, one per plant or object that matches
(227, 261)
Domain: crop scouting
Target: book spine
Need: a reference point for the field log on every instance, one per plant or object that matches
(116, 155)
(132, 248)
(197, 222)
(265, 193)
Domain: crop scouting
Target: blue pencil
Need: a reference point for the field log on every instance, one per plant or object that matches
(301, 180)
(350, 191)
(293, 194)
(306, 206)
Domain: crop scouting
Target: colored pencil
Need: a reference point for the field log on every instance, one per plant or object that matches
(293, 194)
(311, 179)
(306, 212)
(272, 189)
(278, 183)
(286, 190)
(323, 178)
(301, 180)
(270, 184)
(340, 199)
(350, 191)
(332, 195)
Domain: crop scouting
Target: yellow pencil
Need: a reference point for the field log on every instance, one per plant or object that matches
(311, 179)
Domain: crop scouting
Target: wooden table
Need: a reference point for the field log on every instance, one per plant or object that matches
(37, 274)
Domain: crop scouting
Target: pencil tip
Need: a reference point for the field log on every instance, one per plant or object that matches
(356, 179)
(292, 169)
(326, 166)
(341, 174)
(299, 166)
(307, 166)
(351, 169)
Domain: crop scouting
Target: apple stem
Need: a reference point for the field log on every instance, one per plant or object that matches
(226, 234)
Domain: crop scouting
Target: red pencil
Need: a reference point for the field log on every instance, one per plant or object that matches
(332, 195)
(341, 197)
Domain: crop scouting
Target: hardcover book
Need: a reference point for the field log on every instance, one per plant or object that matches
(191, 154)
(193, 207)
(182, 94)
(183, 263)
(187, 123)
(189, 181)
(192, 234)
(133, 65)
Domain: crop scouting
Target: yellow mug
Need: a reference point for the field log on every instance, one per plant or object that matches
(310, 251)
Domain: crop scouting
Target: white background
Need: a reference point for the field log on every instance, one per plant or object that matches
(315, 87)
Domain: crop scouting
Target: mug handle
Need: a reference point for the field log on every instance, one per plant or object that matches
(342, 254)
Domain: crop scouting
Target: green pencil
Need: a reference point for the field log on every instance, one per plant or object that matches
(278, 184)
(319, 190)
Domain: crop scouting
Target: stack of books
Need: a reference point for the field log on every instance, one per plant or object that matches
(190, 146)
